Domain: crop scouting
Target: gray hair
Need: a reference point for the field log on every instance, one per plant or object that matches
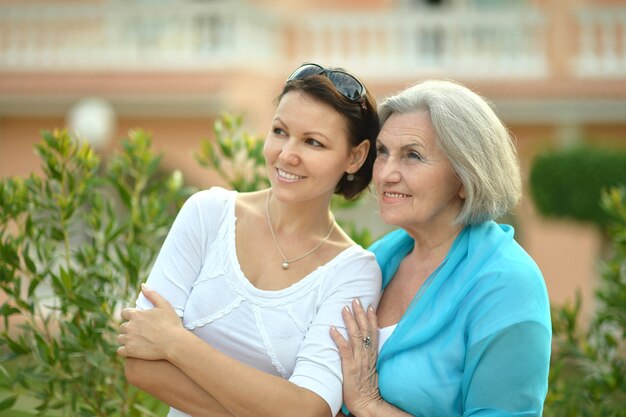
(475, 141)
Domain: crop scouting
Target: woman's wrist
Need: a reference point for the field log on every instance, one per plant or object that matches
(181, 338)
(372, 408)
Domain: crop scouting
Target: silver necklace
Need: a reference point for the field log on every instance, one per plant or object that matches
(286, 261)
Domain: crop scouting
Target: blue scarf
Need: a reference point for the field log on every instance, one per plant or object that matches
(476, 337)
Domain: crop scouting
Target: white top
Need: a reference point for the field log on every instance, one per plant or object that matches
(384, 334)
(284, 332)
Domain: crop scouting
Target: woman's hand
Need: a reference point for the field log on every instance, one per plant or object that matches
(358, 359)
(148, 334)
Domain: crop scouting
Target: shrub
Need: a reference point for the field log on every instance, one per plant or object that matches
(75, 244)
(568, 183)
(588, 369)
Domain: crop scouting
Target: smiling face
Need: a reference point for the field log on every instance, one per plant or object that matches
(307, 149)
(417, 188)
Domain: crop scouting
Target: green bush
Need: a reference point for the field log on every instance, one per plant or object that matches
(75, 244)
(568, 183)
(588, 368)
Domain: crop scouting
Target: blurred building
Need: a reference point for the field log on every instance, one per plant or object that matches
(554, 69)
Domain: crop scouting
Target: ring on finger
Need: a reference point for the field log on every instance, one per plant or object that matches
(367, 342)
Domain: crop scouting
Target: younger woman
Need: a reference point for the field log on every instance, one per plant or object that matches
(258, 278)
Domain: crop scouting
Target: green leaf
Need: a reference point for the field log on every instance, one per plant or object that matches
(8, 402)
(144, 410)
(18, 347)
(123, 191)
(7, 310)
(30, 265)
(5, 377)
(66, 280)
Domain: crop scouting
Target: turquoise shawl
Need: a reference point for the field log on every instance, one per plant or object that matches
(475, 340)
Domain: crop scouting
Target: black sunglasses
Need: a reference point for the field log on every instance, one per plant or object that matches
(348, 85)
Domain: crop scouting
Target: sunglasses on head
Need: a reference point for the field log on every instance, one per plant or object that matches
(347, 85)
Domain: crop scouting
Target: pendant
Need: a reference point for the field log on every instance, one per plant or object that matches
(285, 265)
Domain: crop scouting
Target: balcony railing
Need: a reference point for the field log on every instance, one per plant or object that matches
(397, 43)
(183, 36)
(492, 44)
(602, 42)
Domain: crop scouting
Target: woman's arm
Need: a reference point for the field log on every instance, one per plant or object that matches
(314, 388)
(506, 373)
(170, 385)
(157, 334)
(174, 272)
(508, 337)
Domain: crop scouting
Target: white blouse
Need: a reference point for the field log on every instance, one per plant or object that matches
(384, 334)
(284, 332)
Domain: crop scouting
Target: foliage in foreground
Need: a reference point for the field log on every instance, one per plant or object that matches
(588, 370)
(75, 244)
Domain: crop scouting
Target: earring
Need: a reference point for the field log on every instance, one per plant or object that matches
(350, 177)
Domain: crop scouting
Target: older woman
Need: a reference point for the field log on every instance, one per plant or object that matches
(463, 325)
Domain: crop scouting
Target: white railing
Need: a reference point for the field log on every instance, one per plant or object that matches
(190, 36)
(454, 42)
(602, 42)
(130, 36)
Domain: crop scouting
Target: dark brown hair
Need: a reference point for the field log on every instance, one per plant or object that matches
(361, 120)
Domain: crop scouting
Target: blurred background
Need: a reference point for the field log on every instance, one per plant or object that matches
(555, 71)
